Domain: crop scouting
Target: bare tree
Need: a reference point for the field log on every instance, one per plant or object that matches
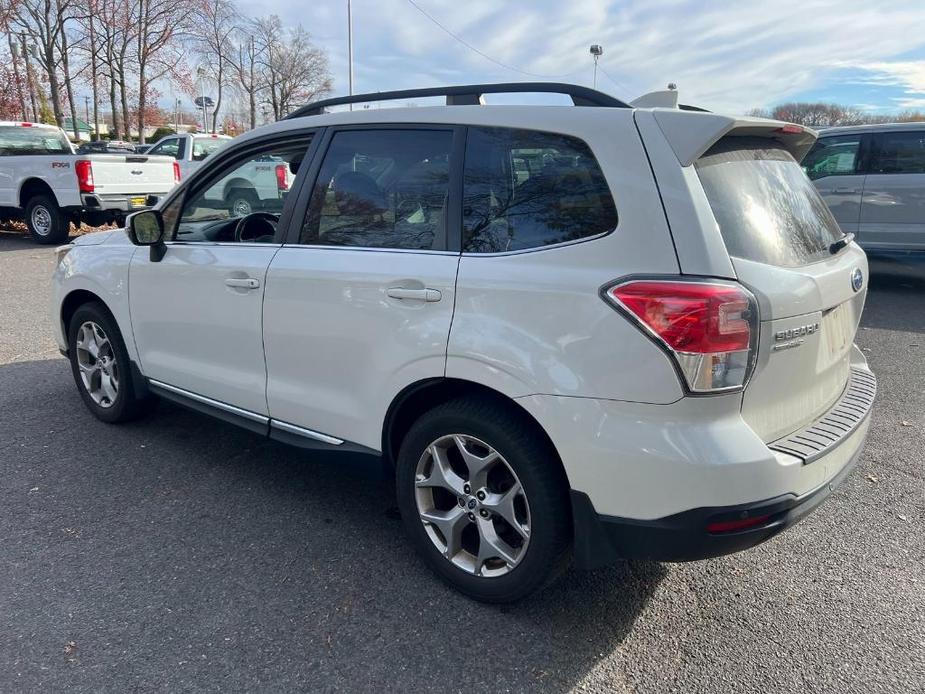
(213, 26)
(243, 62)
(825, 115)
(293, 69)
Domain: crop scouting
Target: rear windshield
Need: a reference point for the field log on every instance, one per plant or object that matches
(767, 209)
(18, 140)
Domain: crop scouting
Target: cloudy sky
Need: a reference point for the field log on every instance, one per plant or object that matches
(723, 55)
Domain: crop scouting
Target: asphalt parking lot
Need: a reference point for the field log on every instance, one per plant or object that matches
(179, 553)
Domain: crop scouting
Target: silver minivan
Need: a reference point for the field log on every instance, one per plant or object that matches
(873, 179)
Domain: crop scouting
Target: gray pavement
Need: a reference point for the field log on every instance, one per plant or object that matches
(182, 554)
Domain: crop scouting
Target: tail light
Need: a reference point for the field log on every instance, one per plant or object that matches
(709, 328)
(84, 171)
(176, 172)
(282, 177)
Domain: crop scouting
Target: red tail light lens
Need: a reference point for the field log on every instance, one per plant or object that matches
(708, 327)
(282, 177)
(737, 524)
(176, 172)
(84, 171)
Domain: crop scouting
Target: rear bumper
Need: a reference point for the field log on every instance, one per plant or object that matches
(602, 540)
(94, 202)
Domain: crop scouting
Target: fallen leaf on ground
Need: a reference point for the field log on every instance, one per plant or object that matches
(872, 478)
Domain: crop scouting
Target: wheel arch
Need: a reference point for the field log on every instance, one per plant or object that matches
(74, 300)
(238, 184)
(427, 393)
(32, 187)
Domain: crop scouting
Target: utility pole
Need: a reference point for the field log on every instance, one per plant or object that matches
(596, 52)
(349, 51)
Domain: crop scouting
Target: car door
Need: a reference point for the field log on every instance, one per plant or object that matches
(836, 167)
(197, 311)
(893, 211)
(359, 301)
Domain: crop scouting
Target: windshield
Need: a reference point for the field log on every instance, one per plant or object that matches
(19, 139)
(767, 209)
(203, 147)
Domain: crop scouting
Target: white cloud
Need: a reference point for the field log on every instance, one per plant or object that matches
(723, 55)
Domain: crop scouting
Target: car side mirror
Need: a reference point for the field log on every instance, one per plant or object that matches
(147, 229)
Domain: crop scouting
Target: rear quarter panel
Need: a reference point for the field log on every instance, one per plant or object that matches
(534, 322)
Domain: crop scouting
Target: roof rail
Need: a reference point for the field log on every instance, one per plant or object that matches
(469, 94)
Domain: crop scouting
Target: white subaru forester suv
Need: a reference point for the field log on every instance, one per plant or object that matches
(572, 333)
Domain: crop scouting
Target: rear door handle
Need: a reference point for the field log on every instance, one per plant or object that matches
(242, 282)
(846, 190)
(429, 295)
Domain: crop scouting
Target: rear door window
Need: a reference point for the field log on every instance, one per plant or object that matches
(899, 153)
(833, 156)
(767, 209)
(382, 189)
(527, 189)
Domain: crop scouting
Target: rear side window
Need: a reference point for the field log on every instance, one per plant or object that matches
(767, 209)
(382, 189)
(833, 156)
(204, 147)
(528, 189)
(18, 140)
(899, 153)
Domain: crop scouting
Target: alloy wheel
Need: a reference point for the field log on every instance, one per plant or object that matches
(96, 362)
(472, 505)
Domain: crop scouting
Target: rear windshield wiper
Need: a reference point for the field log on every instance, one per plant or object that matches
(841, 243)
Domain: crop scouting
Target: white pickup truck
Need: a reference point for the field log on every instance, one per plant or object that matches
(189, 149)
(45, 183)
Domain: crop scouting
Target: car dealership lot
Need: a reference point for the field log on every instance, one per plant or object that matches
(182, 553)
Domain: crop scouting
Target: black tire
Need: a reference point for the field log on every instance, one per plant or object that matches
(128, 404)
(58, 223)
(517, 438)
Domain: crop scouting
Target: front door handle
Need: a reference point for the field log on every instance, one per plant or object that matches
(846, 190)
(427, 294)
(242, 282)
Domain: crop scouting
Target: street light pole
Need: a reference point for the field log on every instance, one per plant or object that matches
(596, 52)
(202, 96)
(349, 51)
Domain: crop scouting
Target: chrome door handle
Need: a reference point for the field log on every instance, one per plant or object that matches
(429, 295)
(846, 190)
(243, 282)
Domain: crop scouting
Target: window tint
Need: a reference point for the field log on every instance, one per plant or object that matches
(381, 189)
(18, 140)
(833, 156)
(899, 152)
(236, 189)
(526, 189)
(767, 209)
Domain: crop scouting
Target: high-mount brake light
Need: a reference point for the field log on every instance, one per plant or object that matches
(791, 129)
(176, 172)
(25, 125)
(709, 328)
(84, 171)
(282, 177)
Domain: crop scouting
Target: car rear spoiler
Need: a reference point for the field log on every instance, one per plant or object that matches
(691, 133)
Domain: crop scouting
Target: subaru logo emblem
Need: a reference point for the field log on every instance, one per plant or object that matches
(857, 279)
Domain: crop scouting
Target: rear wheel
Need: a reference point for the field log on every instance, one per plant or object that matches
(46, 221)
(101, 366)
(484, 499)
(241, 202)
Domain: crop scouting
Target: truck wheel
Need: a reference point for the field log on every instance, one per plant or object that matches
(46, 221)
(241, 202)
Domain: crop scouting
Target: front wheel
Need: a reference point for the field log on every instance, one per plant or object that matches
(484, 499)
(46, 221)
(101, 367)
